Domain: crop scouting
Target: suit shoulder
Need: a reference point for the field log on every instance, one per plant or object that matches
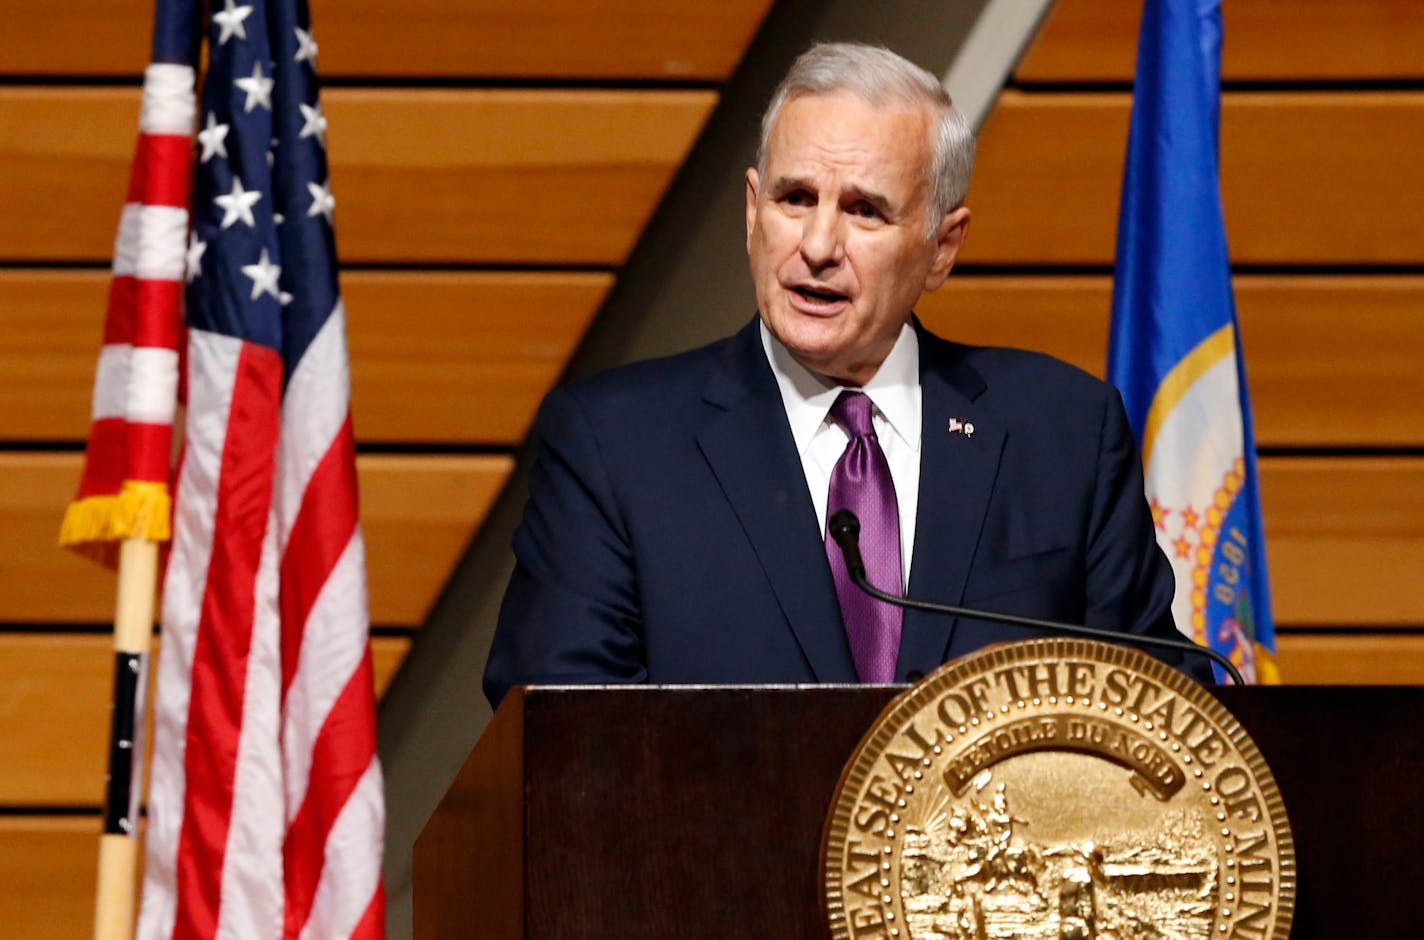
(1024, 373)
(1004, 362)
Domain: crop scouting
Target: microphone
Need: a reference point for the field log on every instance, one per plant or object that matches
(844, 528)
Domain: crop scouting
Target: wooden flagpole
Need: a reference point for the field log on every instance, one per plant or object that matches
(119, 842)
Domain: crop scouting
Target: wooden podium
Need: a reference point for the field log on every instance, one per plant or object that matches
(689, 812)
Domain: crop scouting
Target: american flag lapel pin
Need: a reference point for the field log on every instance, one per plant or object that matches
(961, 427)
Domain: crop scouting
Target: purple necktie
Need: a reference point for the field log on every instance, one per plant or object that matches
(861, 483)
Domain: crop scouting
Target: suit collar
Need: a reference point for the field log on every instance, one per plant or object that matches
(748, 444)
(807, 396)
(957, 472)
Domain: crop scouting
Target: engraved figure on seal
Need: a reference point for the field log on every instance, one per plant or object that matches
(969, 873)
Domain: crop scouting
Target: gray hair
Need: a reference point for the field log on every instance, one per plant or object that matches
(878, 76)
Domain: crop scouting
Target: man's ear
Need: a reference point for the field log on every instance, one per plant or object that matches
(752, 183)
(949, 238)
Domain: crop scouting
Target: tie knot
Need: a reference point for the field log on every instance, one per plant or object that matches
(852, 412)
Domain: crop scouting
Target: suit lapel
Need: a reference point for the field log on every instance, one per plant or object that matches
(957, 473)
(749, 446)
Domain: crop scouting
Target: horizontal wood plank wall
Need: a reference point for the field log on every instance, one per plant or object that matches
(1289, 40)
(1356, 522)
(493, 163)
(373, 39)
(417, 512)
(47, 866)
(548, 176)
(443, 357)
(1365, 393)
(1307, 178)
(1322, 114)
(1346, 554)
(58, 690)
(1352, 658)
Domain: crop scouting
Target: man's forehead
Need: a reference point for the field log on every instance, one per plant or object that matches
(824, 116)
(853, 99)
(843, 129)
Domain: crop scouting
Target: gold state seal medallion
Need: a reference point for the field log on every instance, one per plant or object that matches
(1058, 789)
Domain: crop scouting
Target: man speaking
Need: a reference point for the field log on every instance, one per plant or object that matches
(675, 531)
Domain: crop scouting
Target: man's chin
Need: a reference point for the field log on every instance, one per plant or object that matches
(806, 338)
(808, 328)
(823, 358)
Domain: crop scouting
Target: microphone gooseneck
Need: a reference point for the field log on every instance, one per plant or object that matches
(844, 529)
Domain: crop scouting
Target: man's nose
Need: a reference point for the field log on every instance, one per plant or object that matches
(821, 238)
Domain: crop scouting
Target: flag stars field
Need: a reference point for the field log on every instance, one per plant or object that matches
(306, 47)
(315, 125)
(258, 88)
(229, 21)
(194, 257)
(213, 139)
(237, 205)
(264, 276)
(323, 202)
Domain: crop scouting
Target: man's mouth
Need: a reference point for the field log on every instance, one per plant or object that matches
(818, 295)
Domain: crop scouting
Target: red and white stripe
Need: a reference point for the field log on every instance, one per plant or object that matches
(136, 383)
(335, 808)
(212, 365)
(265, 811)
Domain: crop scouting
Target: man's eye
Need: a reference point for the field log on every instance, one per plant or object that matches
(865, 210)
(798, 197)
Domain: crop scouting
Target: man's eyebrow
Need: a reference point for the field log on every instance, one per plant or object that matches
(878, 201)
(786, 184)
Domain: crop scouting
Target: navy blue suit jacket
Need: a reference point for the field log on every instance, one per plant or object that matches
(670, 537)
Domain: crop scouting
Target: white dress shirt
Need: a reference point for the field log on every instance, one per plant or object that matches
(894, 390)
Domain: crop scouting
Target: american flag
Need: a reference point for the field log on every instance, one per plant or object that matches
(265, 809)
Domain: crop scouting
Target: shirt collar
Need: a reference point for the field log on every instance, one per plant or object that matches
(808, 396)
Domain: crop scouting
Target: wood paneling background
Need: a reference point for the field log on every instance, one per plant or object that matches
(561, 176)
(1286, 41)
(493, 163)
(1333, 359)
(417, 512)
(1318, 177)
(489, 344)
(473, 39)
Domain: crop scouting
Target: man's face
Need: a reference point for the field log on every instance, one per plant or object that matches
(838, 232)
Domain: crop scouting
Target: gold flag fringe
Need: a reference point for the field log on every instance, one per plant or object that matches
(95, 524)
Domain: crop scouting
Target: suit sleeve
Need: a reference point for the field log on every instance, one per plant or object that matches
(1129, 581)
(571, 613)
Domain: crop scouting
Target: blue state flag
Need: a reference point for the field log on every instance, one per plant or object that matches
(1175, 349)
